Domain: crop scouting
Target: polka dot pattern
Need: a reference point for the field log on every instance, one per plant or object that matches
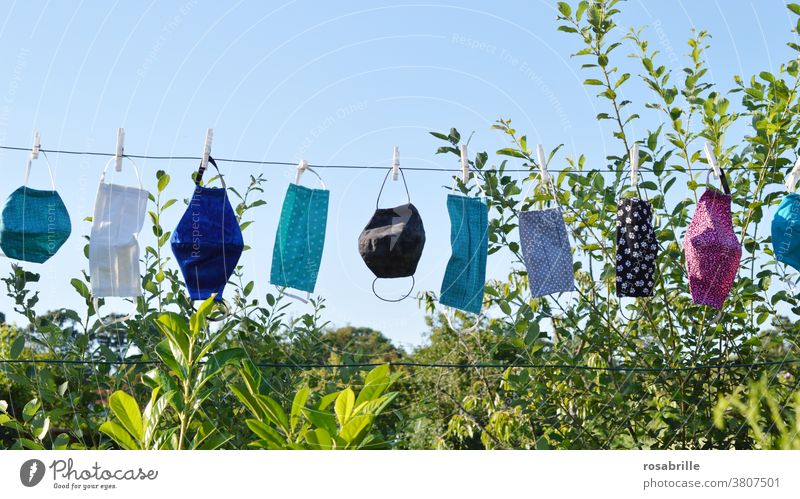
(546, 251)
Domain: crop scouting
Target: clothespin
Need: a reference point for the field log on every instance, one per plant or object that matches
(395, 162)
(120, 149)
(301, 169)
(712, 160)
(793, 177)
(542, 163)
(464, 164)
(37, 145)
(207, 149)
(634, 155)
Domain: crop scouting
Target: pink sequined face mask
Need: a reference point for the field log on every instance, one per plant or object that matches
(712, 249)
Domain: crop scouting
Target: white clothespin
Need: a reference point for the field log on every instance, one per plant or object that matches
(395, 162)
(712, 160)
(542, 163)
(793, 177)
(634, 156)
(207, 148)
(37, 145)
(464, 164)
(120, 149)
(301, 169)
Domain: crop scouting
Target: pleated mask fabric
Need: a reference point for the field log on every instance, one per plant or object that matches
(786, 231)
(637, 248)
(207, 242)
(34, 223)
(465, 275)
(300, 238)
(118, 218)
(713, 251)
(546, 251)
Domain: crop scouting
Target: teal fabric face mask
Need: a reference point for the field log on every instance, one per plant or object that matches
(34, 223)
(465, 275)
(300, 238)
(786, 231)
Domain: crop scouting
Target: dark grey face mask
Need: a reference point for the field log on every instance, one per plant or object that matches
(391, 244)
(546, 251)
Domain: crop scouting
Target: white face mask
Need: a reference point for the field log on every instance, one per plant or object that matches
(119, 213)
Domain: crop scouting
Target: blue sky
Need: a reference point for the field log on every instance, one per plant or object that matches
(331, 82)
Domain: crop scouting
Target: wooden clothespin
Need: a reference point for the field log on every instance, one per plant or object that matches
(464, 164)
(712, 160)
(634, 157)
(207, 149)
(301, 169)
(395, 162)
(120, 149)
(37, 145)
(542, 163)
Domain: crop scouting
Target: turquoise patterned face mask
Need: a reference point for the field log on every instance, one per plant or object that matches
(35, 223)
(301, 236)
(464, 277)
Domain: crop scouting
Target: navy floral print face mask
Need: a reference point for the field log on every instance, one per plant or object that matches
(636, 248)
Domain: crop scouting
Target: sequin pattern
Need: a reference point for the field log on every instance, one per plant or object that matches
(712, 250)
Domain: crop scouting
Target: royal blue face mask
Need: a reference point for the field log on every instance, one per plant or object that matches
(207, 242)
(465, 275)
(300, 238)
(786, 231)
(34, 223)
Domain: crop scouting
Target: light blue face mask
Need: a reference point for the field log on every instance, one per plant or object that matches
(300, 238)
(465, 275)
(546, 251)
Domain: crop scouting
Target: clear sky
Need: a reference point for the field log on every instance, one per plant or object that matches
(331, 82)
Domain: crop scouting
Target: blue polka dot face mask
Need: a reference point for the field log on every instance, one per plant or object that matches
(546, 250)
(300, 237)
(207, 242)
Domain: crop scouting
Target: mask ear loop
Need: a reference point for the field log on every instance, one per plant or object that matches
(49, 170)
(377, 206)
(95, 299)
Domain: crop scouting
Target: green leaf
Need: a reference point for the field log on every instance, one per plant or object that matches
(17, 347)
(61, 442)
(344, 405)
(592, 81)
(564, 9)
(794, 8)
(354, 429)
(119, 435)
(274, 412)
(508, 151)
(298, 404)
(30, 409)
(163, 181)
(127, 412)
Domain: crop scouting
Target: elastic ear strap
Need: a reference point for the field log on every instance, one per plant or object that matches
(105, 323)
(377, 201)
(724, 180)
(308, 168)
(49, 170)
(135, 171)
(413, 283)
(200, 171)
(296, 297)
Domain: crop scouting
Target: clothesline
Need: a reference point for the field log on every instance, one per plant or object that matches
(502, 365)
(332, 166)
